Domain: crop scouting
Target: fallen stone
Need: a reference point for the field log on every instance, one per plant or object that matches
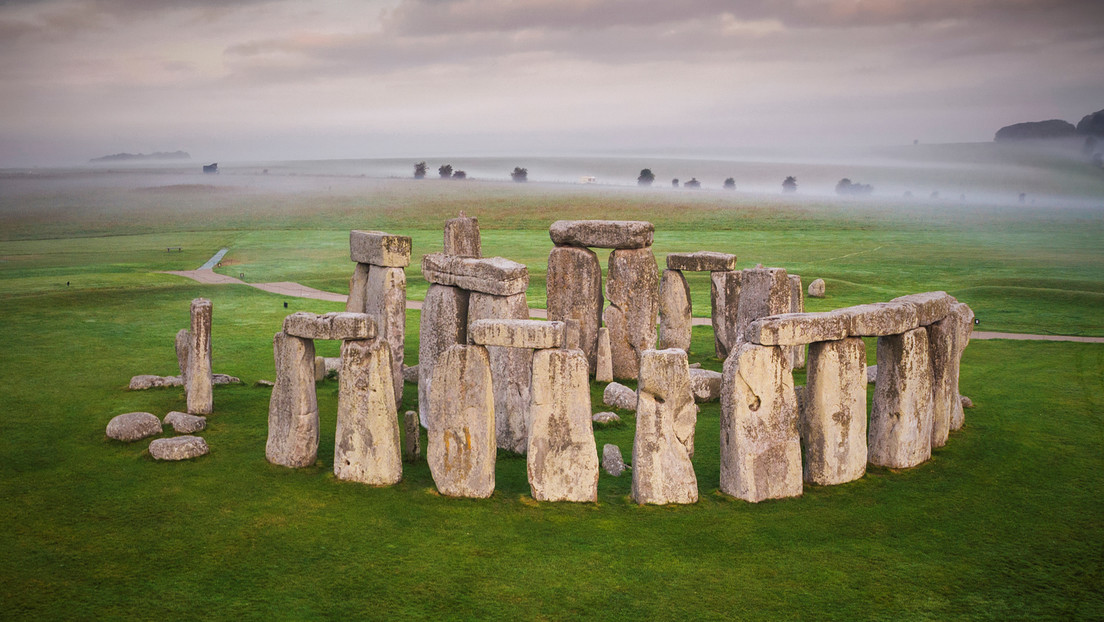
(795, 329)
(410, 374)
(675, 312)
(183, 423)
(724, 292)
(133, 426)
(833, 412)
(379, 249)
(462, 237)
(511, 368)
(816, 288)
(878, 319)
(147, 381)
(900, 429)
(358, 288)
(412, 437)
(533, 334)
(265, 383)
(332, 326)
(574, 292)
(366, 443)
(871, 374)
(931, 307)
(606, 418)
(612, 462)
(632, 288)
(603, 370)
(617, 234)
(198, 383)
(664, 440)
(497, 276)
(619, 396)
(461, 448)
(178, 448)
(293, 407)
(562, 461)
(966, 402)
(705, 384)
(225, 379)
(444, 324)
(701, 261)
(386, 305)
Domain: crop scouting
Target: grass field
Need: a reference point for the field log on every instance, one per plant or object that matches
(1005, 522)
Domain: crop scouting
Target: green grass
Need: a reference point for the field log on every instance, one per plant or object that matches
(1003, 523)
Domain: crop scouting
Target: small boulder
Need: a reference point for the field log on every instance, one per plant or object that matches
(150, 381)
(612, 462)
(871, 374)
(133, 426)
(410, 374)
(265, 383)
(816, 289)
(966, 402)
(619, 396)
(223, 379)
(183, 423)
(606, 418)
(178, 448)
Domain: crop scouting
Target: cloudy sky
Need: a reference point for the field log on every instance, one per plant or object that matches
(268, 79)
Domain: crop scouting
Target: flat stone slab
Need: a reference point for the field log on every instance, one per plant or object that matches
(133, 426)
(178, 448)
(490, 275)
(796, 329)
(701, 261)
(931, 307)
(183, 423)
(879, 319)
(149, 381)
(379, 248)
(602, 233)
(533, 334)
(335, 325)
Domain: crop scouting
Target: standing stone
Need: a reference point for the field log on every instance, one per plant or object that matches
(603, 371)
(562, 457)
(358, 288)
(444, 324)
(724, 293)
(293, 408)
(662, 447)
(965, 318)
(833, 412)
(942, 348)
(574, 291)
(319, 369)
(675, 311)
(816, 288)
(183, 345)
(366, 448)
(385, 302)
(760, 445)
(612, 462)
(412, 437)
(462, 237)
(511, 369)
(633, 293)
(797, 305)
(901, 422)
(461, 452)
(199, 384)
(763, 292)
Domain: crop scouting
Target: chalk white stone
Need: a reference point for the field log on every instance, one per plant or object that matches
(461, 448)
(901, 420)
(562, 460)
(366, 445)
(833, 412)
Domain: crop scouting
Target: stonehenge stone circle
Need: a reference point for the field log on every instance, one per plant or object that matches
(675, 312)
(574, 291)
(489, 275)
(633, 293)
(293, 408)
(900, 429)
(616, 234)
(366, 446)
(663, 444)
(379, 249)
(701, 261)
(511, 368)
(183, 423)
(833, 412)
(133, 426)
(462, 237)
(461, 447)
(178, 448)
(444, 323)
(816, 288)
(198, 383)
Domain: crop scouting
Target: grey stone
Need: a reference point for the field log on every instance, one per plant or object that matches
(871, 374)
(183, 344)
(148, 381)
(724, 290)
(763, 292)
(562, 459)
(701, 261)
(797, 305)
(901, 421)
(966, 402)
(705, 384)
(412, 437)
(266, 383)
(605, 418)
(675, 312)
(225, 379)
(617, 234)
(330, 326)
(964, 319)
(533, 334)
(379, 249)
(293, 408)
(366, 443)
(183, 423)
(358, 288)
(319, 368)
(178, 448)
(462, 237)
(612, 462)
(198, 383)
(833, 412)
(573, 336)
(760, 444)
(511, 368)
(931, 307)
(410, 374)
(816, 288)
(444, 324)
(603, 370)
(574, 292)
(133, 426)
(386, 305)
(461, 448)
(491, 275)
(633, 293)
(878, 319)
(796, 329)
(663, 444)
(619, 396)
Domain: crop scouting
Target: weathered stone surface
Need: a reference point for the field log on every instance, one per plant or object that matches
(293, 408)
(183, 423)
(619, 396)
(871, 374)
(444, 324)
(412, 437)
(462, 237)
(602, 233)
(334, 325)
(964, 317)
(763, 292)
(379, 248)
(901, 421)
(816, 288)
(794, 329)
(386, 305)
(760, 445)
(358, 288)
(675, 312)
(797, 305)
(410, 374)
(705, 384)
(366, 444)
(183, 344)
(491, 275)
(198, 383)
(724, 291)
(612, 462)
(266, 383)
(942, 347)
(319, 369)
(149, 381)
(930, 306)
(133, 426)
(701, 261)
(633, 292)
(574, 291)
(562, 458)
(833, 412)
(878, 319)
(664, 440)
(573, 336)
(605, 418)
(461, 448)
(511, 369)
(533, 334)
(178, 448)
(603, 370)
(966, 402)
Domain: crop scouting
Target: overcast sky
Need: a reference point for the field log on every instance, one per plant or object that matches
(409, 78)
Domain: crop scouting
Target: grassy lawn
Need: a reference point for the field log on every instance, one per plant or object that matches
(1005, 522)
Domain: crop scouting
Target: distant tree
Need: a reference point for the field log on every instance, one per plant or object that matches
(789, 184)
(674, 183)
(730, 184)
(520, 174)
(420, 170)
(459, 175)
(445, 171)
(847, 187)
(646, 177)
(693, 183)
